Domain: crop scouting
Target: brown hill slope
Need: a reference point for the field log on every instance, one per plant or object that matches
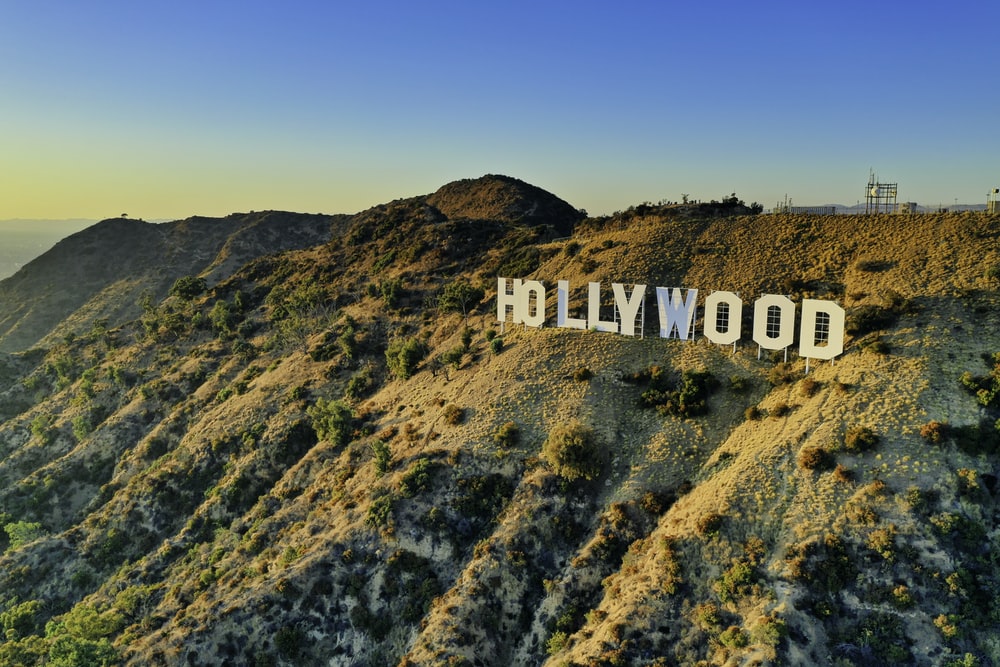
(323, 460)
(102, 271)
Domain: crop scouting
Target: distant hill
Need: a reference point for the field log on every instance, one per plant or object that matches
(286, 439)
(23, 240)
(101, 272)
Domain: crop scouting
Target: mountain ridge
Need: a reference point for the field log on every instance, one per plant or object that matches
(335, 454)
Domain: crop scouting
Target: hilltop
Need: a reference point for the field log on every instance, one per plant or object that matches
(325, 449)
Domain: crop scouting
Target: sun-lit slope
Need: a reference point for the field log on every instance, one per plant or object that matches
(260, 474)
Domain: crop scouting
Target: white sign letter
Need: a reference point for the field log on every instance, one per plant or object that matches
(773, 322)
(676, 312)
(507, 299)
(533, 317)
(627, 307)
(723, 317)
(594, 320)
(821, 335)
(562, 312)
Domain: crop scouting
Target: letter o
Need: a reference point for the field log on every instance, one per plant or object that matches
(785, 322)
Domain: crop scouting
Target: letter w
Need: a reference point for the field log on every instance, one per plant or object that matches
(676, 312)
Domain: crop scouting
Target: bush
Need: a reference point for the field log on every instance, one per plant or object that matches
(22, 532)
(382, 456)
(496, 345)
(573, 452)
(783, 373)
(188, 287)
(380, 512)
(709, 524)
(418, 478)
(866, 319)
(780, 410)
(934, 432)
(453, 414)
(809, 387)
(403, 356)
(735, 582)
(332, 421)
(769, 631)
(860, 439)
(739, 384)
(733, 637)
(507, 435)
(815, 458)
(687, 397)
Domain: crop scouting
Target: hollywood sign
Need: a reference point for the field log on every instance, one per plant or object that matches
(821, 324)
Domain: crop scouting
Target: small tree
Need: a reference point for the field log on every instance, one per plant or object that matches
(460, 296)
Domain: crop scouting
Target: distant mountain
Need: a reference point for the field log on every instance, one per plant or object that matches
(23, 240)
(101, 273)
(286, 439)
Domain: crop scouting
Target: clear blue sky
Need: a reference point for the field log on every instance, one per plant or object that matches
(169, 109)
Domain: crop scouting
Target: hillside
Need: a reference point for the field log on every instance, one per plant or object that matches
(335, 455)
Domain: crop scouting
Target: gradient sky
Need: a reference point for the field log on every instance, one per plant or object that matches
(164, 110)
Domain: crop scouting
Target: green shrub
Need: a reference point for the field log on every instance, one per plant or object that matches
(187, 288)
(557, 642)
(41, 428)
(496, 345)
(391, 291)
(380, 512)
(739, 384)
(685, 397)
(866, 319)
(22, 532)
(418, 478)
(360, 385)
(768, 631)
(734, 637)
(332, 420)
(573, 452)
(290, 642)
(404, 355)
(81, 427)
(382, 456)
(735, 582)
(453, 357)
(21, 619)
